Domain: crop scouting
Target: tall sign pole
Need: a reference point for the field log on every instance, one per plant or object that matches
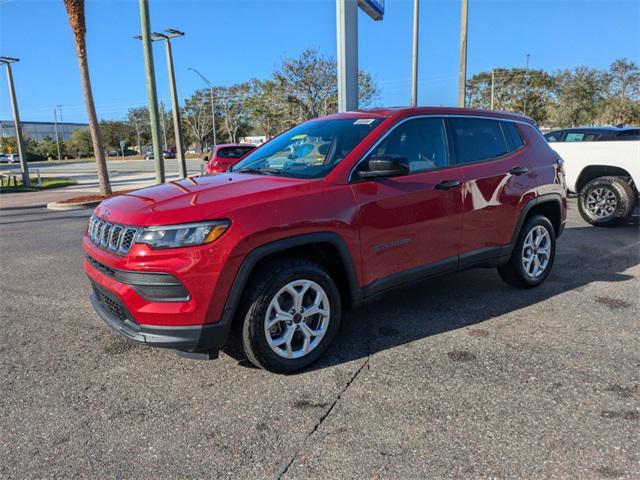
(347, 42)
(22, 152)
(151, 90)
(414, 57)
(462, 74)
(347, 47)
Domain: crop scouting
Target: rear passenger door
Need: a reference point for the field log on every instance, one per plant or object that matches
(496, 178)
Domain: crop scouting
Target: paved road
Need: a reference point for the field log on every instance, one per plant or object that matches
(457, 377)
(124, 174)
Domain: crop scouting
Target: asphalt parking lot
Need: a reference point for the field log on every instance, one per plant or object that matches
(456, 377)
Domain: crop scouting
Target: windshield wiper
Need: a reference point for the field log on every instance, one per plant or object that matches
(259, 171)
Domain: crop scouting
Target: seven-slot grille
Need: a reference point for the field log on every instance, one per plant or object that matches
(112, 236)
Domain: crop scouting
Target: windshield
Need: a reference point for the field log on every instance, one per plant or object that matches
(310, 150)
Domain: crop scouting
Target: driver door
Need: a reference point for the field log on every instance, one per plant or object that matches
(410, 225)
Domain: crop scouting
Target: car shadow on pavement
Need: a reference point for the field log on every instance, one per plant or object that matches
(585, 255)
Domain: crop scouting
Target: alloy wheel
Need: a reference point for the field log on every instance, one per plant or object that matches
(536, 251)
(601, 202)
(297, 319)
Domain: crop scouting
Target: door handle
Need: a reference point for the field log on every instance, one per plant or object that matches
(448, 184)
(518, 170)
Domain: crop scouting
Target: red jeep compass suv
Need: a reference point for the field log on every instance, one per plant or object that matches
(325, 216)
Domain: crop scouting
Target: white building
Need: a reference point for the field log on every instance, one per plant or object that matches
(39, 130)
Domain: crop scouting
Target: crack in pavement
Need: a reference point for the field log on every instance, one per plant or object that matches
(324, 416)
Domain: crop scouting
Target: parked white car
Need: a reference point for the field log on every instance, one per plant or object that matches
(9, 158)
(602, 169)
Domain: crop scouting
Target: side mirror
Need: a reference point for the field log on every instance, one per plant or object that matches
(206, 158)
(384, 166)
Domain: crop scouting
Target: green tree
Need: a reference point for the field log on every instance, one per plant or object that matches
(8, 145)
(622, 104)
(579, 97)
(234, 108)
(115, 130)
(81, 144)
(513, 88)
(48, 148)
(138, 119)
(196, 113)
(308, 85)
(267, 110)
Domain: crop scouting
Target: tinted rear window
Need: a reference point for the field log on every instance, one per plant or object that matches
(234, 152)
(478, 139)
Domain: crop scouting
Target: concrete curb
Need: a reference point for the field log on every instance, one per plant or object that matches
(57, 206)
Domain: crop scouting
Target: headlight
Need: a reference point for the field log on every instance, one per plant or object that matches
(185, 235)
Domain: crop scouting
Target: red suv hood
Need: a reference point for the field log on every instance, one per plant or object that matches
(196, 199)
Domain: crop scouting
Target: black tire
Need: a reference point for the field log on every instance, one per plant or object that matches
(514, 272)
(265, 284)
(621, 192)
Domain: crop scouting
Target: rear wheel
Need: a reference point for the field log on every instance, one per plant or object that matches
(606, 201)
(292, 315)
(533, 254)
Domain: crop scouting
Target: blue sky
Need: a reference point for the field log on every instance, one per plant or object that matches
(235, 40)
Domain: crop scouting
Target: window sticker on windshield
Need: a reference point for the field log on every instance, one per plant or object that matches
(299, 137)
(364, 121)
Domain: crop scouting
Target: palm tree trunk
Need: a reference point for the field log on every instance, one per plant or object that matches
(75, 12)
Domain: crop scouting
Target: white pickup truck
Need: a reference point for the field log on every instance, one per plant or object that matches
(602, 166)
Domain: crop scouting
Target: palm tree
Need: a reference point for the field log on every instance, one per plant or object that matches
(75, 12)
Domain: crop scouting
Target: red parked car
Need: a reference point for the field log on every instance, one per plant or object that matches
(324, 216)
(226, 155)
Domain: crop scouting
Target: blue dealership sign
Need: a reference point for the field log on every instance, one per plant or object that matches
(373, 8)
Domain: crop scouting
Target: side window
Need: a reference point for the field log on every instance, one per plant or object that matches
(574, 137)
(631, 134)
(591, 137)
(511, 132)
(554, 136)
(478, 139)
(421, 141)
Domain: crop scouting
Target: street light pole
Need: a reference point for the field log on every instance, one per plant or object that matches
(22, 152)
(493, 83)
(55, 121)
(526, 85)
(213, 110)
(151, 90)
(462, 74)
(414, 70)
(61, 120)
(175, 107)
(163, 125)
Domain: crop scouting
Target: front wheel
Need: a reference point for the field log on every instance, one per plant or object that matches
(533, 254)
(606, 201)
(292, 315)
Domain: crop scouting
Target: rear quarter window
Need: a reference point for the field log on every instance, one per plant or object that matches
(633, 134)
(478, 139)
(512, 134)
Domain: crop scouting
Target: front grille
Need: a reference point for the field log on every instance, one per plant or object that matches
(111, 304)
(112, 236)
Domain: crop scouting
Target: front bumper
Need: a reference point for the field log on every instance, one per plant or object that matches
(190, 338)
